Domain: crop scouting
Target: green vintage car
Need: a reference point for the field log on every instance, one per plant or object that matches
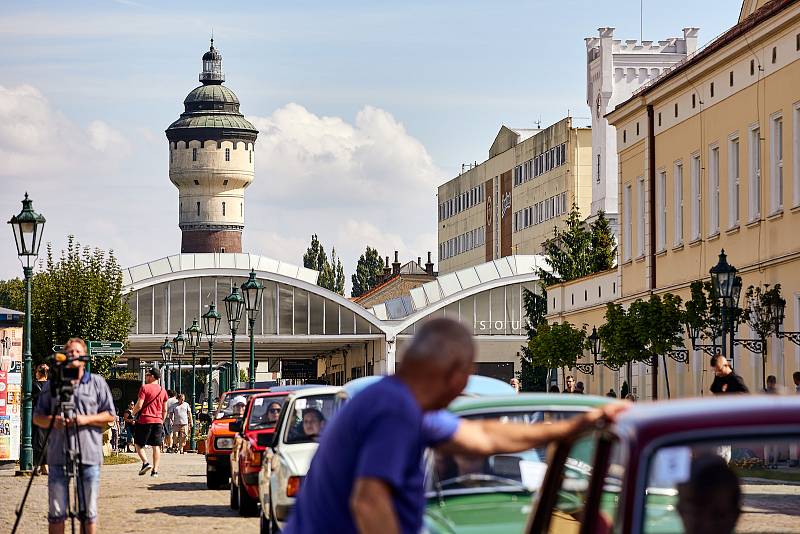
(492, 495)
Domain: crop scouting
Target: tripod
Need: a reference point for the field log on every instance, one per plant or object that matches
(73, 466)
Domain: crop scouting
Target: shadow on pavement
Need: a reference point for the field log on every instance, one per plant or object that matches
(179, 486)
(191, 510)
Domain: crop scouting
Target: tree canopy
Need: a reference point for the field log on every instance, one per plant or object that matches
(532, 378)
(331, 273)
(557, 345)
(369, 270)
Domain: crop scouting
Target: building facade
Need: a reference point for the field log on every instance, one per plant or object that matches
(510, 203)
(614, 70)
(709, 159)
(211, 162)
(398, 280)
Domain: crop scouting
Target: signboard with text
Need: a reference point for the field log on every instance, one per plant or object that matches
(304, 369)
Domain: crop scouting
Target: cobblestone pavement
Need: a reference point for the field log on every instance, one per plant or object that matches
(177, 500)
(769, 506)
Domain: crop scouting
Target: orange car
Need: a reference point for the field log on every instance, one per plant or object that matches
(219, 442)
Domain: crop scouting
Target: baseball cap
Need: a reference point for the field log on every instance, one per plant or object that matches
(155, 373)
(239, 399)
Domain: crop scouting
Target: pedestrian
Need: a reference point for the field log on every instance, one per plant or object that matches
(569, 384)
(631, 397)
(794, 450)
(514, 382)
(115, 434)
(579, 388)
(771, 453)
(128, 422)
(725, 380)
(772, 385)
(711, 499)
(554, 389)
(171, 401)
(42, 373)
(181, 418)
(367, 476)
(796, 380)
(150, 409)
(93, 411)
(611, 393)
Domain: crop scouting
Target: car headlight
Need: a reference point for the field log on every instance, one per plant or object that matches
(223, 443)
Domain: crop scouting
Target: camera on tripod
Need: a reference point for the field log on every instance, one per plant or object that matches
(62, 373)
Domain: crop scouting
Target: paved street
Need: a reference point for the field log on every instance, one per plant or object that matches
(129, 503)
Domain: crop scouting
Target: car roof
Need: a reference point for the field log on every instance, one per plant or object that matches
(528, 400)
(285, 389)
(317, 390)
(240, 391)
(647, 421)
(269, 394)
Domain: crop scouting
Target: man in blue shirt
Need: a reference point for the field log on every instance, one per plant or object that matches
(367, 474)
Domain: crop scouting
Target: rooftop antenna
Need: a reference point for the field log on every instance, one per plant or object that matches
(539, 123)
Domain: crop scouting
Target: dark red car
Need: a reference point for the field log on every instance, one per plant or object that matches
(252, 434)
(698, 465)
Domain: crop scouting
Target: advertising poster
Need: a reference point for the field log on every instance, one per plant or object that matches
(11, 397)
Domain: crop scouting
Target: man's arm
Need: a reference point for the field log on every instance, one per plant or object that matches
(489, 437)
(372, 507)
(137, 406)
(96, 419)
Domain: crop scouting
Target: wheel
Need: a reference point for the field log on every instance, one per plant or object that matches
(234, 496)
(213, 480)
(248, 506)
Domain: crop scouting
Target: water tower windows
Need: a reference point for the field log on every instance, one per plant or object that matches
(194, 154)
(223, 209)
(774, 54)
(224, 182)
(197, 182)
(227, 154)
(251, 156)
(198, 209)
(241, 209)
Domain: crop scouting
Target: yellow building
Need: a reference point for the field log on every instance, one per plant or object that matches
(709, 159)
(510, 203)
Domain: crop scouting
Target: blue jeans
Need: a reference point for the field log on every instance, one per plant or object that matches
(57, 491)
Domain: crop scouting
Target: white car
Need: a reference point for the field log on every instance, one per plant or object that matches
(303, 417)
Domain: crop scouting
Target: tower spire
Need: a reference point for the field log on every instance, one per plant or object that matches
(212, 66)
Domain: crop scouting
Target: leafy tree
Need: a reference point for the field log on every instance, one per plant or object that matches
(702, 311)
(369, 270)
(12, 294)
(315, 257)
(576, 251)
(338, 273)
(331, 273)
(758, 314)
(78, 294)
(557, 345)
(532, 378)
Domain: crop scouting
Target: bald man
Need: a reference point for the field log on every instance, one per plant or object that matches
(367, 474)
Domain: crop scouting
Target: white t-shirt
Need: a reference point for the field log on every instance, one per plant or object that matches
(180, 414)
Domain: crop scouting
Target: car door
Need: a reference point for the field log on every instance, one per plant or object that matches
(265, 476)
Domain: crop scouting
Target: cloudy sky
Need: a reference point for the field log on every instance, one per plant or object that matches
(363, 108)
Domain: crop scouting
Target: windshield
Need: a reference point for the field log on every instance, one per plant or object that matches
(307, 418)
(227, 409)
(517, 472)
(264, 412)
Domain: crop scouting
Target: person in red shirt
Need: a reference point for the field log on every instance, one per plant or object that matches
(151, 409)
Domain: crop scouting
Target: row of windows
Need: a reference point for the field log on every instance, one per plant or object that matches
(462, 202)
(540, 212)
(224, 209)
(740, 174)
(540, 164)
(227, 155)
(463, 243)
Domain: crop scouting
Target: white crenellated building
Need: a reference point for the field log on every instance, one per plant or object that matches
(615, 69)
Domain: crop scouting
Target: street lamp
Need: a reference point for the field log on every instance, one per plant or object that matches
(166, 355)
(727, 287)
(194, 334)
(234, 306)
(179, 342)
(28, 228)
(211, 321)
(252, 290)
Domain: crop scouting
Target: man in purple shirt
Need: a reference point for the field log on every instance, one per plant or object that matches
(367, 474)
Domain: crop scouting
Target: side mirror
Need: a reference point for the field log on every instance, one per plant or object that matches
(235, 426)
(264, 440)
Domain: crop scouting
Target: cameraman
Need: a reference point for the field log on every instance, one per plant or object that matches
(94, 410)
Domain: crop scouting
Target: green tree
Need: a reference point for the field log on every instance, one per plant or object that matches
(576, 251)
(12, 294)
(78, 294)
(369, 270)
(557, 345)
(331, 273)
(338, 273)
(532, 378)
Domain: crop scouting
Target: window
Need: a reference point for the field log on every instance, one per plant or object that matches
(241, 210)
(676, 109)
(774, 54)
(661, 200)
(678, 177)
(637, 128)
(713, 190)
(170, 156)
(696, 198)
(626, 215)
(198, 209)
(194, 154)
(797, 42)
(197, 182)
(659, 118)
(640, 218)
(598, 168)
(776, 171)
(733, 182)
(712, 89)
(227, 154)
(574, 486)
(754, 202)
(624, 136)
(730, 78)
(223, 209)
(796, 154)
(752, 67)
(251, 156)
(694, 100)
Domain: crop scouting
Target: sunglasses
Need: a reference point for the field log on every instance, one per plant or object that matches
(274, 410)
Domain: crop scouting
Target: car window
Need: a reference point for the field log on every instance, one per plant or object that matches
(458, 474)
(576, 473)
(225, 409)
(608, 515)
(264, 412)
(724, 485)
(307, 418)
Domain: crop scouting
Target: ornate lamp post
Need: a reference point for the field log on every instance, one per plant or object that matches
(194, 334)
(252, 290)
(727, 290)
(179, 344)
(166, 356)
(234, 306)
(28, 227)
(211, 321)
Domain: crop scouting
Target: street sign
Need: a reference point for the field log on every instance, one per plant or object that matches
(304, 369)
(94, 345)
(58, 348)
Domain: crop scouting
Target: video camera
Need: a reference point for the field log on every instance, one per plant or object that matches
(62, 374)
